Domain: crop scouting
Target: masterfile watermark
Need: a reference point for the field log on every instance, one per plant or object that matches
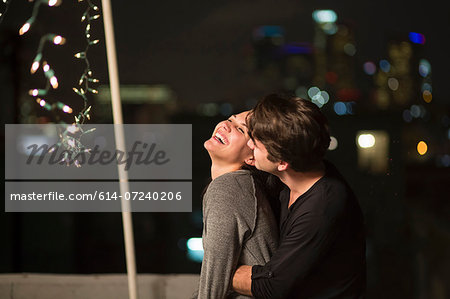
(151, 152)
(140, 153)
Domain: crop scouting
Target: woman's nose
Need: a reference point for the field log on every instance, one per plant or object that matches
(250, 144)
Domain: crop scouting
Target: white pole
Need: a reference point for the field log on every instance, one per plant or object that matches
(120, 144)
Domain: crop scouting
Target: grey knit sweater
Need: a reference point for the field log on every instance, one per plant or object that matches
(238, 228)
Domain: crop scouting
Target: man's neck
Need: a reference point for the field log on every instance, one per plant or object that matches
(300, 182)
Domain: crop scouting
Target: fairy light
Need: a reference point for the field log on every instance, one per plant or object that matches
(45, 67)
(70, 136)
(54, 3)
(85, 81)
(24, 29)
(59, 40)
(54, 82)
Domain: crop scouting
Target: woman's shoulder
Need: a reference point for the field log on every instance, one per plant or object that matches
(234, 186)
(236, 179)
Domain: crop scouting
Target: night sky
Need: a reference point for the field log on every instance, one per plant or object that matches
(199, 48)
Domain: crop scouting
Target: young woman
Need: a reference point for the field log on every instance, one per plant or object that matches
(238, 223)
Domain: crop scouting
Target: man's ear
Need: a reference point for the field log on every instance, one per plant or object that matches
(282, 166)
(250, 161)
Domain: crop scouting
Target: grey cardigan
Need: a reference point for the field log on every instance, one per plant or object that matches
(238, 228)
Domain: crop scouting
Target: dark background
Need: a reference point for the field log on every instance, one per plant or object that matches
(207, 55)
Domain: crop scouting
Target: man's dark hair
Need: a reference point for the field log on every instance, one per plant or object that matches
(292, 129)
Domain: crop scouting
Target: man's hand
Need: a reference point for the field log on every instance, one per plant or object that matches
(242, 280)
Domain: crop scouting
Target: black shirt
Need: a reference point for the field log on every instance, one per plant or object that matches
(322, 245)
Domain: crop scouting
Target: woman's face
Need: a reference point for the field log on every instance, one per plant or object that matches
(229, 140)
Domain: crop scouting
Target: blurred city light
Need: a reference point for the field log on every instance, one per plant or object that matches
(445, 160)
(349, 49)
(301, 92)
(407, 116)
(417, 38)
(370, 68)
(268, 31)
(393, 84)
(424, 67)
(324, 16)
(366, 140)
(422, 148)
(340, 108)
(427, 96)
(195, 249)
(226, 109)
(296, 48)
(333, 143)
(385, 66)
(415, 111)
(427, 86)
(373, 150)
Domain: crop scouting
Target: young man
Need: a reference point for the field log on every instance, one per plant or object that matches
(322, 242)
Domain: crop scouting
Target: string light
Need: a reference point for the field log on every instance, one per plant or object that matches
(85, 81)
(6, 6)
(24, 29)
(70, 135)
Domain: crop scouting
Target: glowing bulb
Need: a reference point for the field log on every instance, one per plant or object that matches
(33, 92)
(73, 129)
(67, 109)
(54, 3)
(34, 67)
(95, 17)
(24, 28)
(422, 148)
(80, 55)
(94, 42)
(54, 82)
(93, 90)
(46, 67)
(95, 7)
(366, 140)
(41, 102)
(59, 40)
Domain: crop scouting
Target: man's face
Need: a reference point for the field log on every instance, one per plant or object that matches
(261, 161)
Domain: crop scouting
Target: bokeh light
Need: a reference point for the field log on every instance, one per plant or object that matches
(417, 38)
(366, 140)
(350, 49)
(369, 68)
(422, 148)
(340, 108)
(385, 66)
(333, 143)
(427, 86)
(424, 67)
(407, 116)
(427, 96)
(393, 84)
(324, 16)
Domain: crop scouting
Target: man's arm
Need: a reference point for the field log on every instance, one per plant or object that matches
(242, 280)
(296, 256)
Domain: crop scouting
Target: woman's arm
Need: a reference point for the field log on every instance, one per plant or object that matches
(223, 237)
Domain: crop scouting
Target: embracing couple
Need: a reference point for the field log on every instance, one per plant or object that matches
(279, 221)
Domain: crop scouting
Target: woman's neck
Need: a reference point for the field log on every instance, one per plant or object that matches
(218, 169)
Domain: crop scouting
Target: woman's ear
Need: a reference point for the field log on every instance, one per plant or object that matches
(250, 161)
